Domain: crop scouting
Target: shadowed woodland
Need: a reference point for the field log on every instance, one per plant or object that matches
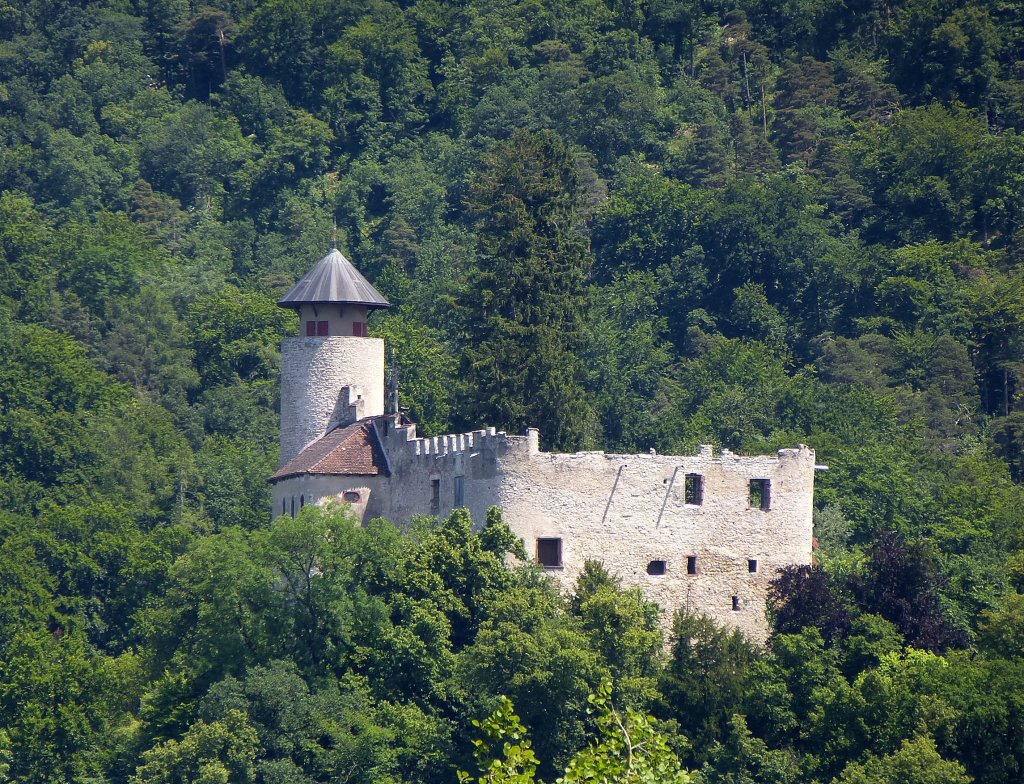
(630, 224)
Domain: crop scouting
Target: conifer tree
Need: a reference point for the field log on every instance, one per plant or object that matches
(525, 311)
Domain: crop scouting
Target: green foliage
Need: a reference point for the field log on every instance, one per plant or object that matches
(518, 763)
(631, 225)
(629, 747)
(528, 295)
(916, 760)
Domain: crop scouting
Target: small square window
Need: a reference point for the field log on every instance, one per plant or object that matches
(761, 494)
(549, 552)
(752, 565)
(735, 604)
(694, 493)
(310, 329)
(321, 329)
(691, 564)
(656, 568)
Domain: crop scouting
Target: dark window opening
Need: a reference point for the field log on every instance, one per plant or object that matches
(310, 329)
(761, 494)
(435, 494)
(293, 506)
(549, 552)
(302, 501)
(656, 568)
(351, 496)
(735, 603)
(752, 565)
(694, 494)
(360, 329)
(459, 492)
(284, 506)
(691, 564)
(321, 329)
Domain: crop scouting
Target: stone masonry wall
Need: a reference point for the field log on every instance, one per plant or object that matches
(629, 510)
(314, 371)
(623, 510)
(370, 501)
(626, 511)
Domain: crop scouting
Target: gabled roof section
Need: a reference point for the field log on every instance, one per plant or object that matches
(334, 280)
(348, 450)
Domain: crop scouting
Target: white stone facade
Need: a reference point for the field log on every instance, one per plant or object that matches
(325, 381)
(628, 511)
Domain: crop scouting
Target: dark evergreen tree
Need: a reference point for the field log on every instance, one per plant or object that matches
(524, 318)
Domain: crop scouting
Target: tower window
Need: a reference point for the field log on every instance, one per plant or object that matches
(293, 506)
(549, 553)
(656, 568)
(284, 506)
(736, 604)
(302, 501)
(360, 329)
(694, 493)
(435, 494)
(310, 329)
(321, 329)
(691, 564)
(761, 494)
(460, 499)
(752, 565)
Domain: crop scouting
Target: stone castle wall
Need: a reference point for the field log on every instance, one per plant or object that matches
(629, 511)
(314, 373)
(626, 511)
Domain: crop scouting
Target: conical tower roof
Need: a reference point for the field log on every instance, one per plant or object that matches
(334, 280)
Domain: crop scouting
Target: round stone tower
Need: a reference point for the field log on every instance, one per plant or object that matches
(332, 373)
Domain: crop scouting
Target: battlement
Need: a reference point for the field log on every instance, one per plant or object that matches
(489, 439)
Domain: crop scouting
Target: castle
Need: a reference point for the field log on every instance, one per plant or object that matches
(707, 532)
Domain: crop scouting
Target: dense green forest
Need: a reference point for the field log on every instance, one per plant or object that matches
(632, 223)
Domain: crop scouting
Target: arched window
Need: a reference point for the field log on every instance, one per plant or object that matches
(293, 506)
(302, 501)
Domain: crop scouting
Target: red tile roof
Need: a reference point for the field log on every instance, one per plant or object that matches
(347, 450)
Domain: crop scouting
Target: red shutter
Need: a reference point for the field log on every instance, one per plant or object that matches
(310, 329)
(321, 329)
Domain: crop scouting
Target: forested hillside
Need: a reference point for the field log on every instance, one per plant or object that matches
(633, 224)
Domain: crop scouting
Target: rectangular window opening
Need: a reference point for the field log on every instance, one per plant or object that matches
(656, 568)
(459, 492)
(691, 564)
(694, 492)
(310, 329)
(752, 565)
(360, 329)
(761, 494)
(549, 553)
(321, 329)
(435, 492)
(736, 604)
